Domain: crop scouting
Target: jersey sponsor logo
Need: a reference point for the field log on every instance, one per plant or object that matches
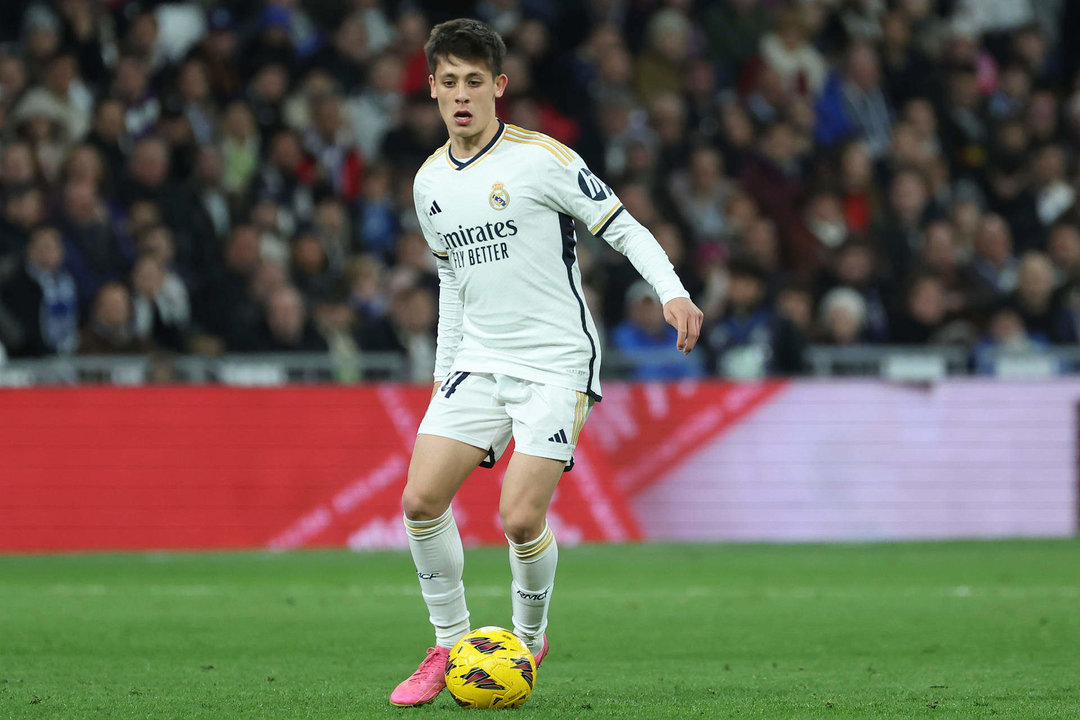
(593, 187)
(499, 197)
(484, 237)
(559, 437)
(477, 234)
(434, 209)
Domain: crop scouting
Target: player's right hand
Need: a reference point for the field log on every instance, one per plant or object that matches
(684, 316)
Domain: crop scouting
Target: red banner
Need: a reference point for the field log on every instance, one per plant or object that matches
(189, 468)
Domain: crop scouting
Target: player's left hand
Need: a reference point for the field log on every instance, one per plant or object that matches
(684, 316)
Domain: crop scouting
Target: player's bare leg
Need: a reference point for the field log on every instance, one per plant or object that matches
(526, 494)
(438, 468)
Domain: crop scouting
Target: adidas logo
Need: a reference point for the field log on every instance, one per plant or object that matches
(434, 209)
(559, 437)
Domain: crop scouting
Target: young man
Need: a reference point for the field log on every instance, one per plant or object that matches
(518, 353)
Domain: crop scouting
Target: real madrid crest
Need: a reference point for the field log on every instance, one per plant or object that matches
(499, 197)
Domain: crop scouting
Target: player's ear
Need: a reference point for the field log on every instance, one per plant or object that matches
(431, 86)
(500, 85)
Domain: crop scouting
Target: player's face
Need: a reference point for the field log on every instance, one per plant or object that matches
(466, 91)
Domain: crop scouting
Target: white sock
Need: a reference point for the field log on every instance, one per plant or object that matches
(440, 560)
(532, 565)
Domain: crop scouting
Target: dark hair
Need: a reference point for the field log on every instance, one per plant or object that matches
(468, 40)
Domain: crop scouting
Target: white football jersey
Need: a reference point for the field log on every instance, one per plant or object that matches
(502, 227)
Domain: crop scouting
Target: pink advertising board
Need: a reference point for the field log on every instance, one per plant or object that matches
(851, 460)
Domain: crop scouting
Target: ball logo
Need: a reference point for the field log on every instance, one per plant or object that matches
(485, 645)
(593, 187)
(481, 679)
(525, 667)
(499, 198)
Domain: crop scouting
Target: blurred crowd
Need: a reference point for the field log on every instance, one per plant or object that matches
(229, 177)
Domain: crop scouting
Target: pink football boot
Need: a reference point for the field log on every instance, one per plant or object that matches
(427, 682)
(539, 657)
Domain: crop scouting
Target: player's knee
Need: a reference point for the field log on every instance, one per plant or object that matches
(420, 505)
(522, 526)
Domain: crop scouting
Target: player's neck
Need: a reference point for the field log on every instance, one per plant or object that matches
(463, 148)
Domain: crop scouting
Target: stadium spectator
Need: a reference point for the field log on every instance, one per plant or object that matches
(993, 262)
(859, 191)
(1005, 336)
(312, 274)
(408, 329)
(1054, 195)
(644, 334)
(787, 52)
(23, 210)
(239, 151)
(19, 168)
(699, 194)
(108, 135)
(1036, 302)
(921, 317)
(93, 252)
(374, 111)
(734, 29)
(824, 219)
(287, 326)
(1064, 250)
(843, 317)
(212, 212)
(855, 266)
(853, 104)
(109, 330)
(42, 298)
(226, 309)
(899, 229)
(750, 339)
(774, 179)
(161, 310)
(907, 72)
(148, 179)
(941, 256)
(661, 67)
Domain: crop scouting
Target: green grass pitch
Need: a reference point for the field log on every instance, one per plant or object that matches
(949, 630)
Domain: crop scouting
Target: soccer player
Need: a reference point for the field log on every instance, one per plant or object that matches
(518, 354)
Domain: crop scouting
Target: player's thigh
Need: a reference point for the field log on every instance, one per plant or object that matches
(546, 423)
(462, 424)
(527, 490)
(438, 467)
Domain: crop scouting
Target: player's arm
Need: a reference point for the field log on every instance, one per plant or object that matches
(574, 190)
(634, 240)
(451, 309)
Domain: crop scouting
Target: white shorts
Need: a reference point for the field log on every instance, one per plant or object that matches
(486, 410)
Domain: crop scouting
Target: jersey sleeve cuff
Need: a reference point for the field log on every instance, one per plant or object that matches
(671, 294)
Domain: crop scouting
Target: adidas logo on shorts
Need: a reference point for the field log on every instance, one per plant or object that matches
(559, 437)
